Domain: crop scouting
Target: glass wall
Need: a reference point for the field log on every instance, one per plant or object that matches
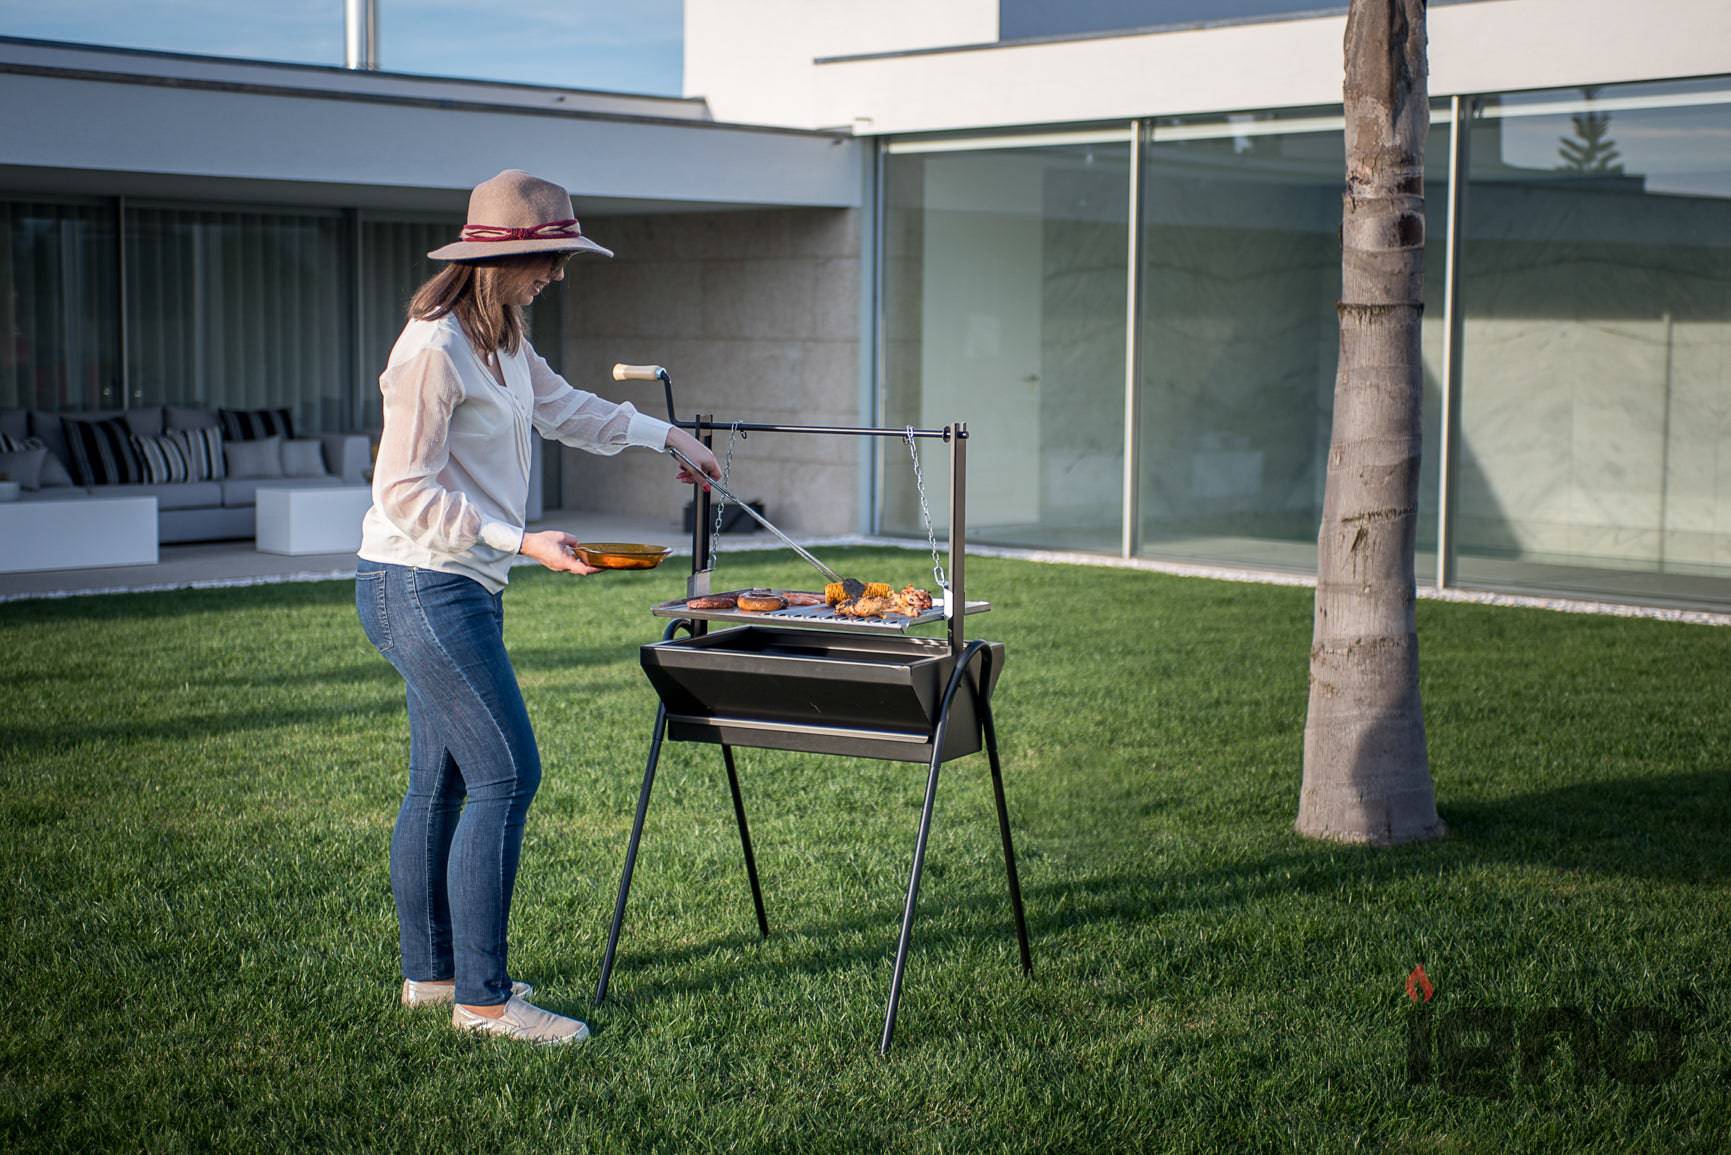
(240, 309)
(1592, 347)
(1005, 299)
(1595, 449)
(59, 298)
(1240, 247)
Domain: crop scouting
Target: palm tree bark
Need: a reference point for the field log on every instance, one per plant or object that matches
(1366, 770)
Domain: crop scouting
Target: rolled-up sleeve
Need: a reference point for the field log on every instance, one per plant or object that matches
(419, 397)
(584, 421)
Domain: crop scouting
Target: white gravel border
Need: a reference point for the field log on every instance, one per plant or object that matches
(735, 542)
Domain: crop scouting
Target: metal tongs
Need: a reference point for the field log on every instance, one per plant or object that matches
(852, 586)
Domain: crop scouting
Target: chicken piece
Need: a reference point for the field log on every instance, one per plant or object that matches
(863, 608)
(912, 602)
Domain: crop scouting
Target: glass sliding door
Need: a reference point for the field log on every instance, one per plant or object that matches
(59, 305)
(1240, 258)
(1004, 306)
(240, 309)
(1595, 450)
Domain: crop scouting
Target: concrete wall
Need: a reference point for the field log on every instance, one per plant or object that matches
(757, 58)
(752, 60)
(756, 316)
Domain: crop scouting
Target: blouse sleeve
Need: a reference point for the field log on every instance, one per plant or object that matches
(419, 395)
(585, 421)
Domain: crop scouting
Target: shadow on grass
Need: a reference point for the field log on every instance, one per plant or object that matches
(1666, 829)
(163, 605)
(24, 741)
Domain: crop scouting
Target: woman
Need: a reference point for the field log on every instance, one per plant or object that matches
(450, 486)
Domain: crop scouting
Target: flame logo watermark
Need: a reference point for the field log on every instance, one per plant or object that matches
(1472, 1049)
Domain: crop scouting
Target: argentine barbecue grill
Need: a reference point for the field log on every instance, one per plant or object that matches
(806, 679)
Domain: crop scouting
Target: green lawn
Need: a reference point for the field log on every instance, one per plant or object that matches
(199, 943)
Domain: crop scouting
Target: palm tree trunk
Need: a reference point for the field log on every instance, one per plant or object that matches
(1366, 772)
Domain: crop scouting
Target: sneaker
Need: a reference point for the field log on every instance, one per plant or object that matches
(522, 1020)
(444, 994)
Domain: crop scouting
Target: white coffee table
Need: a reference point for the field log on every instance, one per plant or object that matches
(77, 533)
(325, 519)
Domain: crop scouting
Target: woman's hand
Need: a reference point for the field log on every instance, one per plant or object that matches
(552, 549)
(696, 452)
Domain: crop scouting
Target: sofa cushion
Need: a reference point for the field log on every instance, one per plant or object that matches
(23, 464)
(203, 450)
(186, 417)
(53, 471)
(303, 458)
(244, 490)
(15, 423)
(100, 451)
(164, 459)
(185, 495)
(145, 420)
(256, 424)
(260, 458)
(46, 425)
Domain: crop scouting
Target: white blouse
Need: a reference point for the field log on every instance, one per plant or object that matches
(452, 478)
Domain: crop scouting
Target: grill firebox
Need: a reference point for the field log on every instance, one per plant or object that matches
(823, 693)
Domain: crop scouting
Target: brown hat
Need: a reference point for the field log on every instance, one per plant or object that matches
(517, 213)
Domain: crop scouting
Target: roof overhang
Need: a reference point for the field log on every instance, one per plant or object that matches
(158, 124)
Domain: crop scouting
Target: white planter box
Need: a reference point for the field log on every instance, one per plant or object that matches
(295, 521)
(78, 533)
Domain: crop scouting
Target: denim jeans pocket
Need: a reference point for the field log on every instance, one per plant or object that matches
(370, 605)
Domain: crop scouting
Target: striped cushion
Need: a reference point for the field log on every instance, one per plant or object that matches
(255, 424)
(10, 444)
(101, 451)
(164, 459)
(203, 451)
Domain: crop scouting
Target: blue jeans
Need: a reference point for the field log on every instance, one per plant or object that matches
(454, 864)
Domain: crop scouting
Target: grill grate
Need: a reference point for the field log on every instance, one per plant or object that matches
(813, 617)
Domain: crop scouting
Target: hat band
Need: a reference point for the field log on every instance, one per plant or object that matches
(546, 231)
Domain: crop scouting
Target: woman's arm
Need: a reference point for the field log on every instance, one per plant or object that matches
(585, 421)
(419, 396)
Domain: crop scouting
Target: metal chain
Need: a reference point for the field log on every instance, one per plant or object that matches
(926, 513)
(721, 505)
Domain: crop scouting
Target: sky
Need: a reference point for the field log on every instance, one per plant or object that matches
(633, 46)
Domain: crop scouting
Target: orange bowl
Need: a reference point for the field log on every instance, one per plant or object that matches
(621, 554)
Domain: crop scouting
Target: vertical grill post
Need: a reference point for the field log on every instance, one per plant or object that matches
(955, 599)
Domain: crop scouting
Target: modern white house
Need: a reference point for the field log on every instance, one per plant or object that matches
(1103, 233)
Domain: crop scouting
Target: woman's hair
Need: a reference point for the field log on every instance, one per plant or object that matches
(472, 290)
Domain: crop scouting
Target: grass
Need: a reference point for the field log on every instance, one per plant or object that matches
(198, 790)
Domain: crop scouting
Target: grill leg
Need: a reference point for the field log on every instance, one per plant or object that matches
(745, 840)
(631, 854)
(939, 732)
(913, 897)
(985, 707)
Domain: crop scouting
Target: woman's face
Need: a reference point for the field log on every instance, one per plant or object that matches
(536, 273)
